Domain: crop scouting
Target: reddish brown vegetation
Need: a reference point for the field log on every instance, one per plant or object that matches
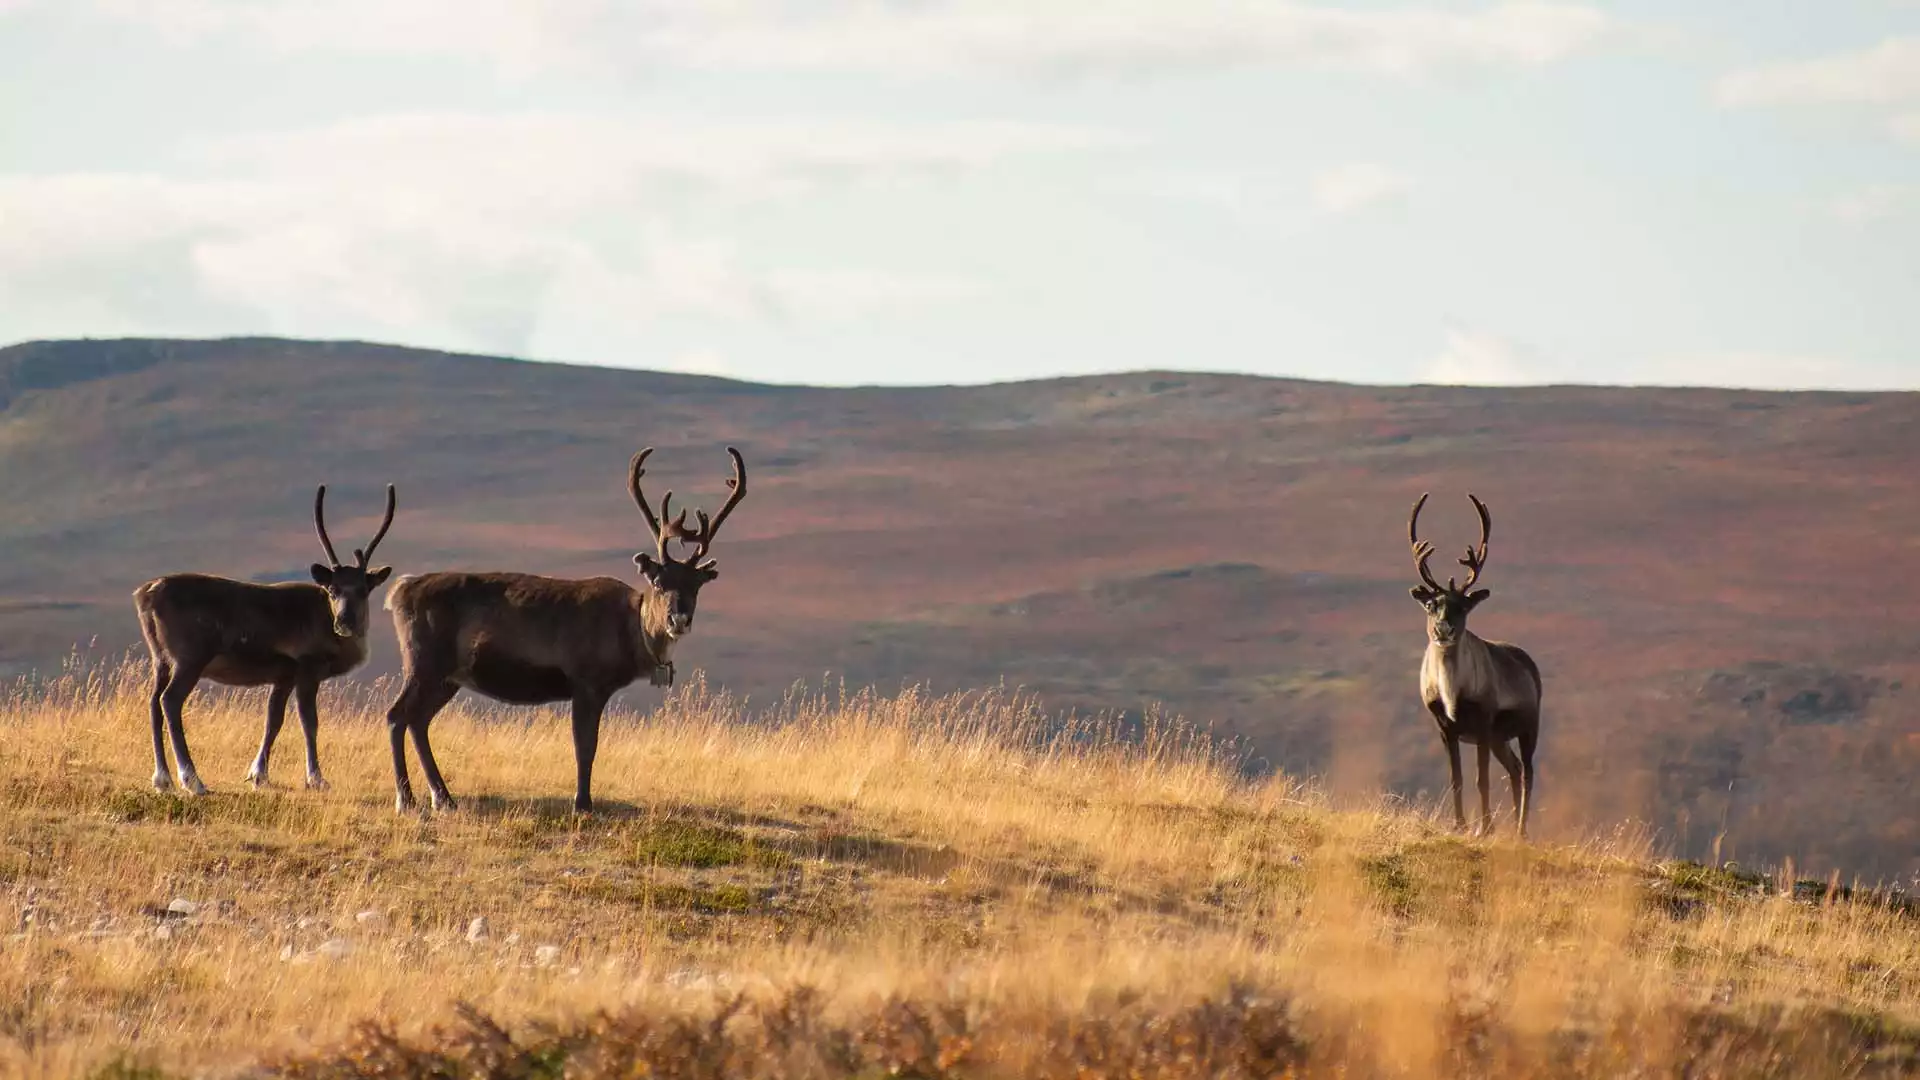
(1710, 580)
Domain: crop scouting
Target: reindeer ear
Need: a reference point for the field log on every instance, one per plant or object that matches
(1422, 594)
(648, 565)
(377, 578)
(1478, 595)
(322, 575)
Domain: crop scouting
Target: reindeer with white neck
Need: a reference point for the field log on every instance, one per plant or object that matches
(1485, 693)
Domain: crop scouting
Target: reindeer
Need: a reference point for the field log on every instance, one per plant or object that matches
(1486, 693)
(530, 640)
(291, 636)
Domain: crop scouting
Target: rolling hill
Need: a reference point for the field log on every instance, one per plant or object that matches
(1712, 580)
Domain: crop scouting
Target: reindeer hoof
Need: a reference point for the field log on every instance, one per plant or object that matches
(162, 782)
(316, 782)
(192, 784)
(258, 781)
(443, 803)
(403, 802)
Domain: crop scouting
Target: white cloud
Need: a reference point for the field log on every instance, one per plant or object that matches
(565, 162)
(1871, 204)
(1886, 74)
(1477, 358)
(1346, 189)
(1906, 128)
(469, 231)
(1063, 36)
(699, 362)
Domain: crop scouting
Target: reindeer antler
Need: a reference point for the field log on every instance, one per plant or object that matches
(1476, 558)
(737, 490)
(363, 557)
(677, 528)
(1422, 550)
(674, 530)
(320, 523)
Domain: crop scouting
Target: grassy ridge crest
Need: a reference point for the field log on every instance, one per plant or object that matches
(865, 885)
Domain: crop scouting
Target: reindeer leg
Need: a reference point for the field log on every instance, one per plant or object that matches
(276, 715)
(1504, 754)
(306, 697)
(409, 704)
(1483, 752)
(588, 705)
(162, 674)
(1453, 771)
(1529, 737)
(185, 678)
(432, 700)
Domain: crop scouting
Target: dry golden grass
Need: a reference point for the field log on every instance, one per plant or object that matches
(857, 886)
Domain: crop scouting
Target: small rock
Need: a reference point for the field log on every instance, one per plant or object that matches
(371, 918)
(477, 929)
(182, 906)
(335, 949)
(546, 955)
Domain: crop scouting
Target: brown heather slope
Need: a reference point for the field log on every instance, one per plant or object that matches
(1716, 583)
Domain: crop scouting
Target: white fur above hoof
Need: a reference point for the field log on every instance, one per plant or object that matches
(316, 782)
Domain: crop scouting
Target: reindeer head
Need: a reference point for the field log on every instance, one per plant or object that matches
(349, 587)
(1447, 608)
(675, 582)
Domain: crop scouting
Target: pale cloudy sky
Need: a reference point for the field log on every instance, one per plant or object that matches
(919, 191)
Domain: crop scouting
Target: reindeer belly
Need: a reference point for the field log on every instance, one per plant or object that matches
(503, 677)
(248, 669)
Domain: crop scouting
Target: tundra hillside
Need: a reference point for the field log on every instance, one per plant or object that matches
(1715, 583)
(863, 886)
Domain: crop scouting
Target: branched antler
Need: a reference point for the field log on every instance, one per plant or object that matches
(677, 528)
(1422, 550)
(736, 490)
(1475, 559)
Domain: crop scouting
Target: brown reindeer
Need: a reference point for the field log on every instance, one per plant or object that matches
(291, 636)
(530, 640)
(1486, 693)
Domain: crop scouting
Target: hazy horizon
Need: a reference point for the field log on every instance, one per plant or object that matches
(1008, 381)
(877, 192)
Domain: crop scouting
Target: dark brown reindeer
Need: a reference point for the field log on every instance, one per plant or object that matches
(291, 636)
(530, 640)
(1486, 693)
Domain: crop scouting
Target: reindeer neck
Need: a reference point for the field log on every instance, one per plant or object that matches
(343, 654)
(1465, 641)
(654, 640)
